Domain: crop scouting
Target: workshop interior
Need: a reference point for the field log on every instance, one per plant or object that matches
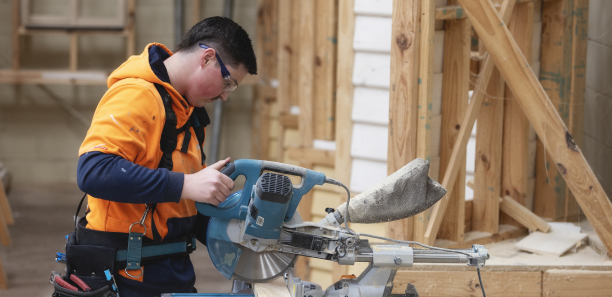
(384, 148)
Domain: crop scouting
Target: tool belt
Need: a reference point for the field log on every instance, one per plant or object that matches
(90, 252)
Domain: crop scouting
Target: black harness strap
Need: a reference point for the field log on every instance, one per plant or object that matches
(167, 143)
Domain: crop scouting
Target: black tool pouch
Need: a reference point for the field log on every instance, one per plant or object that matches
(104, 290)
(87, 261)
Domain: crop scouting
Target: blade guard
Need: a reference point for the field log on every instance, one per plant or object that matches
(223, 253)
(251, 170)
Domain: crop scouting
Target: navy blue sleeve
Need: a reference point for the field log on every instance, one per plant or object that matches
(111, 177)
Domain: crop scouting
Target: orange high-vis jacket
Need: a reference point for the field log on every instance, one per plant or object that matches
(128, 122)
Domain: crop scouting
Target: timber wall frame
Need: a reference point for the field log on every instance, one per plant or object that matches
(293, 71)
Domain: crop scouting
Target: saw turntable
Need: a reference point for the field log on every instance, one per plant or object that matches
(256, 234)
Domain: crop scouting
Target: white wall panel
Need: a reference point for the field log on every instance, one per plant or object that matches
(438, 51)
(370, 142)
(366, 173)
(374, 7)
(437, 94)
(372, 34)
(435, 129)
(372, 70)
(371, 106)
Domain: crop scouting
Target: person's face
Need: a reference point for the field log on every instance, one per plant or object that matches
(208, 84)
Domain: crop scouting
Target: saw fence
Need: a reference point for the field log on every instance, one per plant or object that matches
(329, 100)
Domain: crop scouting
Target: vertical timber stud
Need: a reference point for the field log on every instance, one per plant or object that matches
(516, 124)
(487, 174)
(543, 116)
(455, 93)
(344, 102)
(555, 77)
(580, 20)
(403, 98)
(452, 170)
(283, 64)
(425, 105)
(325, 68)
(306, 72)
(295, 52)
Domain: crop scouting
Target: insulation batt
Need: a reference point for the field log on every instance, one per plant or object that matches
(402, 194)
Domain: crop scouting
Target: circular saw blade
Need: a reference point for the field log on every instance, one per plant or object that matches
(265, 266)
(262, 267)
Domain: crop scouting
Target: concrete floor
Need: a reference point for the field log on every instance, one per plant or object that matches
(43, 216)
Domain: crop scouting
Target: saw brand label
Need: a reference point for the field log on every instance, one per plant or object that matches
(260, 221)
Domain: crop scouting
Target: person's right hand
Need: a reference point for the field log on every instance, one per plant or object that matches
(208, 185)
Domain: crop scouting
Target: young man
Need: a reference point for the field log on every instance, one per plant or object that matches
(119, 164)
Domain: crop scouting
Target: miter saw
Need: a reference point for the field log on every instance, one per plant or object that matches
(256, 234)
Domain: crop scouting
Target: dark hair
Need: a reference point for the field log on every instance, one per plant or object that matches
(230, 41)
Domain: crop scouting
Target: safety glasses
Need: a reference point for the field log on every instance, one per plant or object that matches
(230, 82)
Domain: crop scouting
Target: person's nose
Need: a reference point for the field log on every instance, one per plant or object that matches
(224, 96)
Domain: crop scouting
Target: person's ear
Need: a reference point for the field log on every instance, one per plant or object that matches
(207, 56)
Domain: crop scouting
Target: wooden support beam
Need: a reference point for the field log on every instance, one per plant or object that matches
(295, 53)
(465, 130)
(540, 111)
(403, 109)
(312, 156)
(515, 170)
(283, 72)
(425, 100)
(264, 97)
(455, 96)
(267, 13)
(465, 283)
(451, 12)
(326, 42)
(555, 77)
(576, 283)
(580, 20)
(477, 237)
(520, 213)
(344, 101)
(485, 216)
(306, 71)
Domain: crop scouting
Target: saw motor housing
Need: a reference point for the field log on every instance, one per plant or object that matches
(267, 208)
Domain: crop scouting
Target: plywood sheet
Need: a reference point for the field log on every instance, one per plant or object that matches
(275, 288)
(557, 242)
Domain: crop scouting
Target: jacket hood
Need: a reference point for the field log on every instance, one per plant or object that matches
(139, 67)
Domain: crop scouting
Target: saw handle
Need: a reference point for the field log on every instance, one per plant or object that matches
(228, 169)
(234, 207)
